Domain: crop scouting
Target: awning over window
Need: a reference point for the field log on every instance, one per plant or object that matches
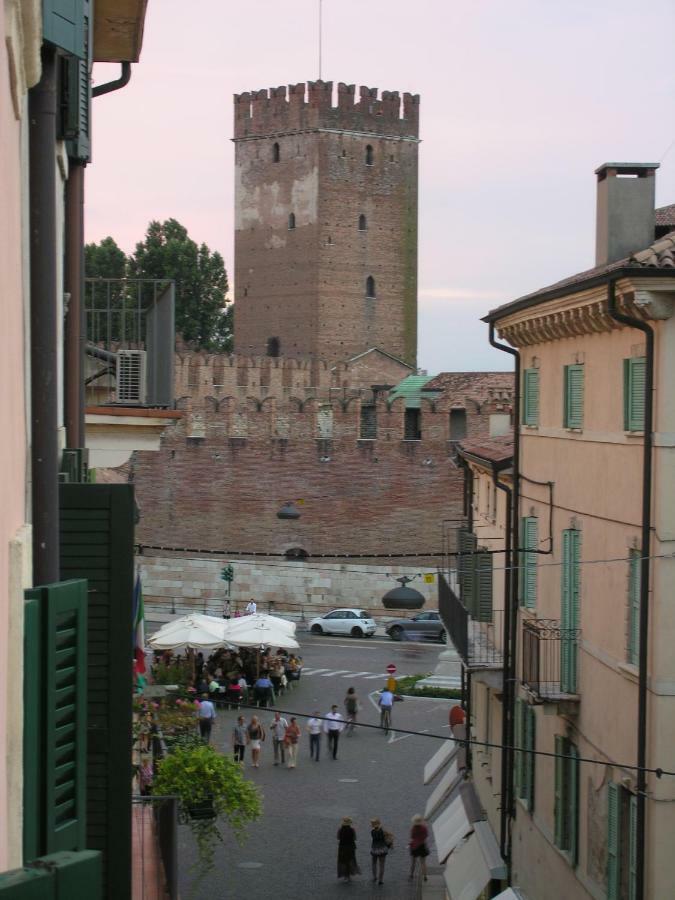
(509, 894)
(441, 757)
(473, 864)
(451, 826)
(448, 783)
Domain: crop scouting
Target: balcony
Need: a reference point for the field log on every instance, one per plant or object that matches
(477, 642)
(549, 660)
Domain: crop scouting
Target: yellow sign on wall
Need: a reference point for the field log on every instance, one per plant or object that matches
(429, 578)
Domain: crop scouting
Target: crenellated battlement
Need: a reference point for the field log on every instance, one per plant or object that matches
(305, 107)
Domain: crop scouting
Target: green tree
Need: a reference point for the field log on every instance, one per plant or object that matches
(105, 260)
(202, 313)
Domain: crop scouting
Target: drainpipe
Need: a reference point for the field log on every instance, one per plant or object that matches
(115, 85)
(44, 324)
(510, 622)
(74, 323)
(648, 332)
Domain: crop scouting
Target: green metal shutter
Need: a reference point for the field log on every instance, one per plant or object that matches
(97, 533)
(574, 397)
(613, 841)
(482, 606)
(531, 397)
(529, 540)
(33, 820)
(570, 609)
(632, 847)
(573, 804)
(467, 544)
(634, 383)
(634, 564)
(530, 744)
(63, 25)
(558, 791)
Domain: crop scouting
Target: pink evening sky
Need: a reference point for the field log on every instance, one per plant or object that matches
(520, 102)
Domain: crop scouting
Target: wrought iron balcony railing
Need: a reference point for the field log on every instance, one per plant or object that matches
(477, 642)
(549, 659)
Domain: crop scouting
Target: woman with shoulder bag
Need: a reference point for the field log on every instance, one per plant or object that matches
(381, 843)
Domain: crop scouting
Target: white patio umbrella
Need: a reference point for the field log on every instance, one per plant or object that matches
(261, 631)
(192, 632)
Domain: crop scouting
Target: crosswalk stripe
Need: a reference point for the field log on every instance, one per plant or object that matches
(371, 677)
(356, 674)
(336, 672)
(314, 671)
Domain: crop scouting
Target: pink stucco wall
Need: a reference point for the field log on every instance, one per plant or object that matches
(13, 444)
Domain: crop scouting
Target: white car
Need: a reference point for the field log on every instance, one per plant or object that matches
(356, 622)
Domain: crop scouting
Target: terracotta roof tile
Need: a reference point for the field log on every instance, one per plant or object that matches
(497, 449)
(665, 215)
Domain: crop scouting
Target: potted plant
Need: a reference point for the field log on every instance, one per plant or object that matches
(208, 785)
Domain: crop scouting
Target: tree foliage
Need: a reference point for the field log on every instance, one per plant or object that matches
(105, 260)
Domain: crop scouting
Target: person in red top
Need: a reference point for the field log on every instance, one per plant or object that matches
(418, 846)
(457, 717)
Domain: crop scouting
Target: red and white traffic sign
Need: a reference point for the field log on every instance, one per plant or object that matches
(391, 668)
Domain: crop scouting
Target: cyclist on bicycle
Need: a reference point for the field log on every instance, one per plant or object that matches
(385, 703)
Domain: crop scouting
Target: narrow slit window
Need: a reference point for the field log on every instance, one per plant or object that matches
(291, 221)
(363, 224)
(276, 153)
(370, 155)
(370, 287)
(273, 346)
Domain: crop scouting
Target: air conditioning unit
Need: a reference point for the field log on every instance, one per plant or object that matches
(131, 377)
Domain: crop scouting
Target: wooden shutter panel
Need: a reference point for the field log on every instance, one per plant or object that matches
(573, 804)
(529, 540)
(482, 607)
(466, 567)
(530, 742)
(637, 373)
(33, 824)
(63, 25)
(613, 841)
(558, 810)
(632, 847)
(518, 755)
(634, 565)
(574, 396)
(570, 609)
(531, 397)
(565, 614)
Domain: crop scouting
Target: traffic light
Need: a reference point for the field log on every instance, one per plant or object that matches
(227, 573)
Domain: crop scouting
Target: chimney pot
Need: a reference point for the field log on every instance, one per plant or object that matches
(625, 218)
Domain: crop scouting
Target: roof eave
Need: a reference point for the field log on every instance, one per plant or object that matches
(118, 30)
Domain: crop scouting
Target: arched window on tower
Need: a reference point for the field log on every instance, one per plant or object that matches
(369, 155)
(370, 287)
(273, 346)
(276, 153)
(363, 224)
(291, 221)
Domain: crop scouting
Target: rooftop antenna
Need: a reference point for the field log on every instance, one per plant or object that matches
(320, 29)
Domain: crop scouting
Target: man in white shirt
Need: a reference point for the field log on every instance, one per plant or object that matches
(333, 725)
(251, 607)
(314, 726)
(207, 716)
(278, 727)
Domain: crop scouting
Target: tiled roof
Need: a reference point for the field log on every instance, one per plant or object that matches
(665, 215)
(479, 382)
(659, 255)
(496, 450)
(410, 388)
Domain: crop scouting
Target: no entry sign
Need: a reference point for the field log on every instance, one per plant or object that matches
(391, 668)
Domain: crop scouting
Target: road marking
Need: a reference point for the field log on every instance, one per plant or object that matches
(314, 671)
(393, 738)
(356, 674)
(372, 677)
(336, 672)
(349, 780)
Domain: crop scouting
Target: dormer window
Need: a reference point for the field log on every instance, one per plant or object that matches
(276, 153)
(370, 156)
(370, 287)
(363, 225)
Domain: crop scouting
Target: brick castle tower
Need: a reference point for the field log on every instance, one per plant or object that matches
(325, 222)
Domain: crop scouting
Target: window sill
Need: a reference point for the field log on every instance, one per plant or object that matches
(574, 430)
(634, 434)
(630, 672)
(529, 426)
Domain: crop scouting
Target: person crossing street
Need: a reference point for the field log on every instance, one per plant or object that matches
(333, 725)
(278, 727)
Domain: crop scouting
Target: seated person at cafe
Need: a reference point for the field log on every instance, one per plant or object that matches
(264, 694)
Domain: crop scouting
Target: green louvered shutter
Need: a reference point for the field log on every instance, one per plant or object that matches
(565, 612)
(530, 743)
(63, 23)
(573, 805)
(467, 544)
(634, 382)
(531, 397)
(570, 609)
(529, 540)
(33, 819)
(634, 564)
(482, 607)
(613, 841)
(632, 847)
(573, 401)
(558, 809)
(518, 754)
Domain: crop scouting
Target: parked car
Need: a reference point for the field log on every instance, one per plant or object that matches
(356, 622)
(425, 626)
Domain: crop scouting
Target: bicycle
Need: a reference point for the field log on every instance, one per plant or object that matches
(385, 718)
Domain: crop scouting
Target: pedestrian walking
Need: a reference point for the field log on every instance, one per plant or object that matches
(227, 610)
(351, 710)
(292, 739)
(314, 726)
(333, 725)
(239, 739)
(346, 862)
(419, 834)
(255, 735)
(278, 727)
(251, 607)
(381, 843)
(207, 716)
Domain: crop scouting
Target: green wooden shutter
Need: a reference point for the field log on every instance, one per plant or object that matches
(613, 841)
(531, 397)
(565, 612)
(558, 810)
(97, 533)
(573, 804)
(33, 678)
(517, 753)
(63, 25)
(467, 544)
(482, 606)
(574, 397)
(530, 743)
(570, 609)
(634, 383)
(529, 540)
(634, 564)
(632, 847)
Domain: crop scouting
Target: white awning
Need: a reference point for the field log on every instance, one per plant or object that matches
(447, 784)
(509, 894)
(473, 864)
(451, 826)
(441, 757)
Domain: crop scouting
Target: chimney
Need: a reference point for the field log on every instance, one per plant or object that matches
(625, 219)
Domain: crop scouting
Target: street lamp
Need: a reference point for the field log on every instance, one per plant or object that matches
(288, 511)
(403, 597)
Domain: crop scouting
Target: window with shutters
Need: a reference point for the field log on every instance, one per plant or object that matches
(621, 848)
(467, 545)
(474, 568)
(634, 375)
(634, 567)
(525, 741)
(570, 609)
(527, 577)
(573, 397)
(530, 415)
(368, 424)
(566, 797)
